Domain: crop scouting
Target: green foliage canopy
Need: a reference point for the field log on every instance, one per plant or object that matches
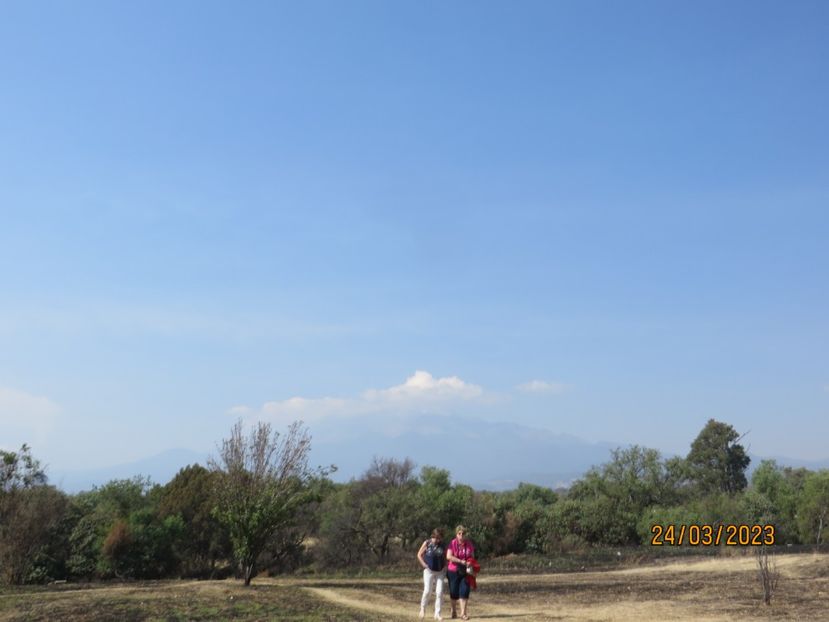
(717, 461)
(262, 482)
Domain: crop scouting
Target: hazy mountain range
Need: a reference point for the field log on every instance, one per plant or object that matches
(486, 455)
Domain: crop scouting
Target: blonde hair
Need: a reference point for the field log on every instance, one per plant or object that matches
(461, 529)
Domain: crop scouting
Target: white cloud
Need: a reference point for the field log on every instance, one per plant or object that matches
(419, 391)
(423, 386)
(25, 418)
(542, 386)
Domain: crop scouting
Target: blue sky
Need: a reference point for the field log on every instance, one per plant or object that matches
(604, 219)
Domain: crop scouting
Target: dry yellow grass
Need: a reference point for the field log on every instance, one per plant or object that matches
(721, 589)
(713, 589)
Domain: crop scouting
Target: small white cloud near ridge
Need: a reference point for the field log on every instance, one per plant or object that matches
(423, 385)
(421, 389)
(542, 386)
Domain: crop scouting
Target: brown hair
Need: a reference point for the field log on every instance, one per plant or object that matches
(437, 534)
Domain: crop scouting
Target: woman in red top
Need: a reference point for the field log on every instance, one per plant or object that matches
(460, 550)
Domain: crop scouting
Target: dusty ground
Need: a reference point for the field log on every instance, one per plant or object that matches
(713, 589)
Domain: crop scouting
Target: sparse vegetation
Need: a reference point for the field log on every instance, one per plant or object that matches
(260, 509)
(768, 572)
(694, 588)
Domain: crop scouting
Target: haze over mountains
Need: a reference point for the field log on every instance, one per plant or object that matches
(484, 454)
(491, 455)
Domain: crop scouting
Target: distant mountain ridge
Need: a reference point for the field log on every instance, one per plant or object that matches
(484, 454)
(160, 468)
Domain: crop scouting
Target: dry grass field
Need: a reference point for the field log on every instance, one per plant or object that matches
(714, 589)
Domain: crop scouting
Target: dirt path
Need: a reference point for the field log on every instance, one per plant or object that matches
(480, 609)
(372, 602)
(717, 590)
(353, 600)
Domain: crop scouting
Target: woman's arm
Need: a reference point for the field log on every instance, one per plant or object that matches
(452, 558)
(420, 555)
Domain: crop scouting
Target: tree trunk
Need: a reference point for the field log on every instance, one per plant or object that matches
(248, 570)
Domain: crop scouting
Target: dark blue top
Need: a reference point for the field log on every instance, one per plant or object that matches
(435, 555)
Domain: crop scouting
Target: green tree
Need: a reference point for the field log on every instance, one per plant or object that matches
(142, 546)
(481, 518)
(391, 487)
(30, 514)
(20, 470)
(520, 514)
(563, 526)
(434, 505)
(387, 511)
(813, 507)
(717, 461)
(670, 515)
(263, 481)
(342, 542)
(287, 550)
(117, 532)
(611, 499)
(386, 495)
(782, 487)
(720, 508)
(204, 541)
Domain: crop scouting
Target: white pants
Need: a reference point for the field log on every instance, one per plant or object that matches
(432, 577)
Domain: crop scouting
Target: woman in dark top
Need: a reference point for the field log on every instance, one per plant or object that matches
(432, 556)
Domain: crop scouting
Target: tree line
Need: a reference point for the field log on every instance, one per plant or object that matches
(258, 506)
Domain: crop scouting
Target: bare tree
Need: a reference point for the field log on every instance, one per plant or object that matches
(389, 472)
(263, 482)
(768, 573)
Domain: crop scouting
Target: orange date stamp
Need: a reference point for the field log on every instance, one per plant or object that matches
(712, 535)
